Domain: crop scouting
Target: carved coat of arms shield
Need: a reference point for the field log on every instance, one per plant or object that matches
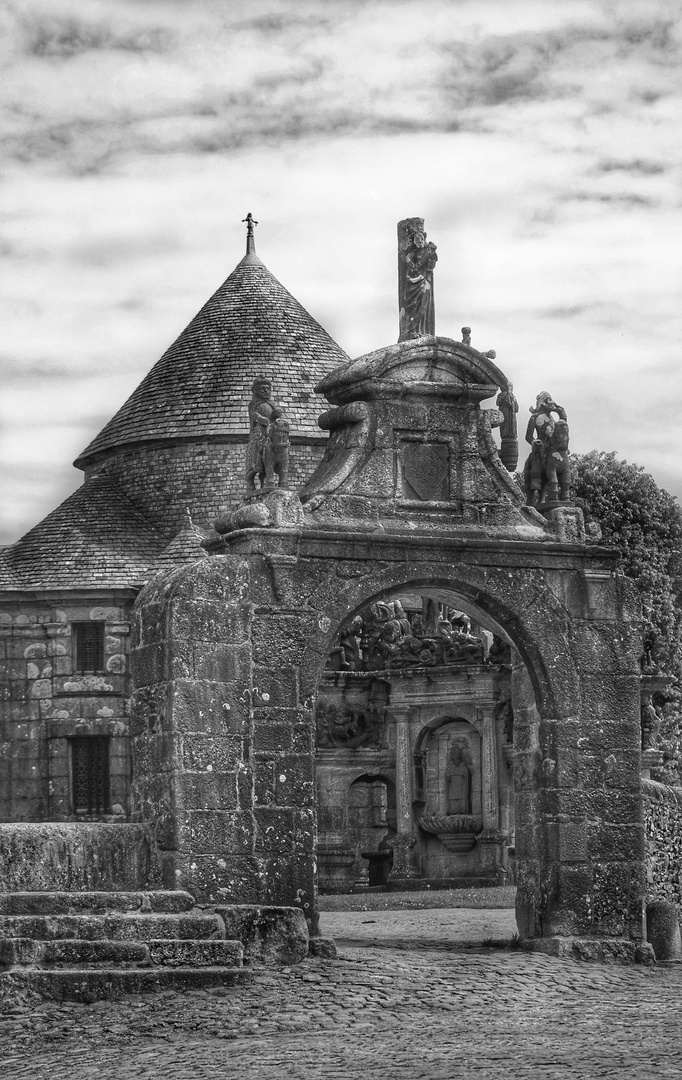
(426, 468)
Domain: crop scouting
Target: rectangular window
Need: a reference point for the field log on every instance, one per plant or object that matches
(89, 646)
(90, 774)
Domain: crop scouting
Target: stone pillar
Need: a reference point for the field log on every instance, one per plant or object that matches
(405, 840)
(527, 845)
(491, 839)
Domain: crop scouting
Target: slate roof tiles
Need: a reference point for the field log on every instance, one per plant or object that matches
(96, 539)
(202, 385)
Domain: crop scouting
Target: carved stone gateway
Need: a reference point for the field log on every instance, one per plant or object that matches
(231, 659)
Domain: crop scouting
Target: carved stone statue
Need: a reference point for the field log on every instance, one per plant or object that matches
(458, 780)
(416, 261)
(651, 726)
(647, 662)
(546, 474)
(509, 407)
(267, 453)
(350, 729)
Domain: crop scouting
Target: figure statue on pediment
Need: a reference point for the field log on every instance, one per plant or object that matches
(509, 440)
(417, 259)
(267, 452)
(546, 474)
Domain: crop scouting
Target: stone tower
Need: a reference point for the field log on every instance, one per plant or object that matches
(169, 461)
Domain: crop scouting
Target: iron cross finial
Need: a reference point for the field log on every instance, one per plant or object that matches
(250, 239)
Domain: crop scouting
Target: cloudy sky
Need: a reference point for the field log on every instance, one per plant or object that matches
(539, 140)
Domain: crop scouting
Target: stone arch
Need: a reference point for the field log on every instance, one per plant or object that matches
(506, 611)
(228, 656)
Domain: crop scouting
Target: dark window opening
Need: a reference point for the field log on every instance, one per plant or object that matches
(90, 774)
(89, 646)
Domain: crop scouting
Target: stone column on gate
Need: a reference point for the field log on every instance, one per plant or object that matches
(404, 842)
(491, 839)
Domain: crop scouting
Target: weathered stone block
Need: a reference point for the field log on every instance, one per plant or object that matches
(270, 935)
(275, 688)
(208, 707)
(616, 903)
(663, 930)
(71, 952)
(222, 663)
(615, 842)
(279, 639)
(148, 664)
(214, 831)
(73, 856)
(276, 829)
(208, 791)
(611, 698)
(275, 737)
(210, 752)
(209, 621)
(569, 901)
(324, 948)
(196, 953)
(294, 780)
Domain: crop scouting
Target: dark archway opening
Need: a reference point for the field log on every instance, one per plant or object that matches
(416, 704)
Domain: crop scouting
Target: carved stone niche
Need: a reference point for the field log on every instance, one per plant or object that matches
(452, 761)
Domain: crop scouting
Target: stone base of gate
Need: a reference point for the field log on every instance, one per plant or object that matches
(594, 950)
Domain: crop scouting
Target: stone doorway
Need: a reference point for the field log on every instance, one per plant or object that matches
(418, 693)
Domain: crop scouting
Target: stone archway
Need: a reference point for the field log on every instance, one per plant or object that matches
(244, 829)
(229, 654)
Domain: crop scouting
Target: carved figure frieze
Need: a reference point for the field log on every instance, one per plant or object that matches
(267, 452)
(385, 636)
(547, 472)
(351, 728)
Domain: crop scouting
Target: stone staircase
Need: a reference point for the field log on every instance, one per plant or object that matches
(91, 945)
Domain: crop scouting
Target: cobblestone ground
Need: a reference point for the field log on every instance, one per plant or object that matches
(414, 995)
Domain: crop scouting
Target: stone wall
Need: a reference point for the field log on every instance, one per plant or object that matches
(75, 857)
(207, 477)
(663, 833)
(44, 704)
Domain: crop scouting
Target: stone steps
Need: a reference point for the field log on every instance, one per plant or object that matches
(117, 926)
(88, 984)
(89, 945)
(163, 952)
(161, 901)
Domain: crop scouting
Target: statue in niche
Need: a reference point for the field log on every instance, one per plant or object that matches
(267, 452)
(458, 782)
(418, 258)
(546, 474)
(647, 662)
(651, 726)
(504, 711)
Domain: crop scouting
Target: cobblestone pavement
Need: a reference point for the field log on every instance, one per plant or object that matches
(414, 995)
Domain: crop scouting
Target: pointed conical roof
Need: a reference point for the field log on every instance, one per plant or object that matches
(202, 385)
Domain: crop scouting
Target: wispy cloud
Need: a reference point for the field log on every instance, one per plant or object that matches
(540, 141)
